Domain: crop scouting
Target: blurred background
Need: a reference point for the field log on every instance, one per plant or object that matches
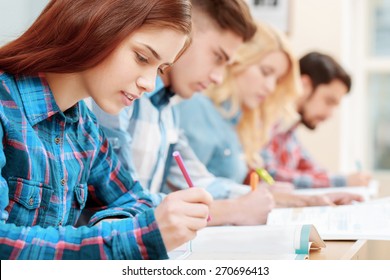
(355, 32)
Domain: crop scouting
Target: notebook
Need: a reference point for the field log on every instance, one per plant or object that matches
(368, 220)
(251, 242)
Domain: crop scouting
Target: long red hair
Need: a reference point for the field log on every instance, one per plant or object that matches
(71, 36)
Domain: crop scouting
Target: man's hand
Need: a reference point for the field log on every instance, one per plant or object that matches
(358, 179)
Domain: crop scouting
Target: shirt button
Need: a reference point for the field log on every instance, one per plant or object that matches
(60, 224)
(31, 201)
(227, 152)
(57, 140)
(63, 181)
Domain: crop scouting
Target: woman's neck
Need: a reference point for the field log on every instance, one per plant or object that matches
(67, 89)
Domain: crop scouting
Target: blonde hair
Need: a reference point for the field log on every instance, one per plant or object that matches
(254, 127)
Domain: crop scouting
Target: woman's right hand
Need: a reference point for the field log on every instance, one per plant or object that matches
(181, 214)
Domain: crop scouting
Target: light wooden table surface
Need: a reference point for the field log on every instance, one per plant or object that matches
(341, 250)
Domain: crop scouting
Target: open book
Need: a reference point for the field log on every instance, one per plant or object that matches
(368, 220)
(251, 242)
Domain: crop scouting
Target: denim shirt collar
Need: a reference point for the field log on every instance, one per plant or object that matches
(226, 105)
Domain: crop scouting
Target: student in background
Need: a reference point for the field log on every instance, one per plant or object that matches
(54, 158)
(145, 135)
(229, 124)
(325, 83)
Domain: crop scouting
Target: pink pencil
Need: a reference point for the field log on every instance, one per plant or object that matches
(183, 169)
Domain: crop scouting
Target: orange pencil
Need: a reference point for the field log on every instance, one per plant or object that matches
(254, 180)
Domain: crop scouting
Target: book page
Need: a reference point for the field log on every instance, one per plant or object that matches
(367, 192)
(181, 253)
(253, 242)
(369, 220)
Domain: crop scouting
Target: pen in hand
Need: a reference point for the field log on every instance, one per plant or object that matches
(254, 180)
(183, 169)
(265, 176)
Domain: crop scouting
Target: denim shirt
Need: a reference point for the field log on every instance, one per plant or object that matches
(53, 165)
(213, 138)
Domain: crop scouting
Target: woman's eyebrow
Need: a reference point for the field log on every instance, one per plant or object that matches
(155, 54)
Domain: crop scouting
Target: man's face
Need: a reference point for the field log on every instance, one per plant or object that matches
(204, 62)
(320, 104)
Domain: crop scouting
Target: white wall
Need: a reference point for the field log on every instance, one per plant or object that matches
(316, 25)
(16, 16)
(319, 25)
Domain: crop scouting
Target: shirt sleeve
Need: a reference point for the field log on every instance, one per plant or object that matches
(111, 187)
(286, 160)
(134, 237)
(219, 188)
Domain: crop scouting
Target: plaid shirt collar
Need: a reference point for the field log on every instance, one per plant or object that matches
(38, 100)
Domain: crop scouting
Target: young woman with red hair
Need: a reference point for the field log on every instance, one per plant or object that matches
(54, 159)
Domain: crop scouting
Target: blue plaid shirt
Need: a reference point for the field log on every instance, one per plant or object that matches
(53, 165)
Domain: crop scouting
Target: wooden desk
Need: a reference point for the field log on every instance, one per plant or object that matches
(341, 250)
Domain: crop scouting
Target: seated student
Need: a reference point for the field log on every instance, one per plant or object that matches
(229, 124)
(54, 158)
(325, 83)
(146, 135)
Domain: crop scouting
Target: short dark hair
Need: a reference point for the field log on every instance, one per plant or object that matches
(231, 15)
(323, 69)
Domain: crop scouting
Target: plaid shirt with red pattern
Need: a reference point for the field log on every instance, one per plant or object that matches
(286, 160)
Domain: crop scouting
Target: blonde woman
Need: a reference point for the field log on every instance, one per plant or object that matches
(230, 123)
(261, 86)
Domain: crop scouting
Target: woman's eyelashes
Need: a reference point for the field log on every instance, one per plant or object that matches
(266, 71)
(218, 58)
(141, 58)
